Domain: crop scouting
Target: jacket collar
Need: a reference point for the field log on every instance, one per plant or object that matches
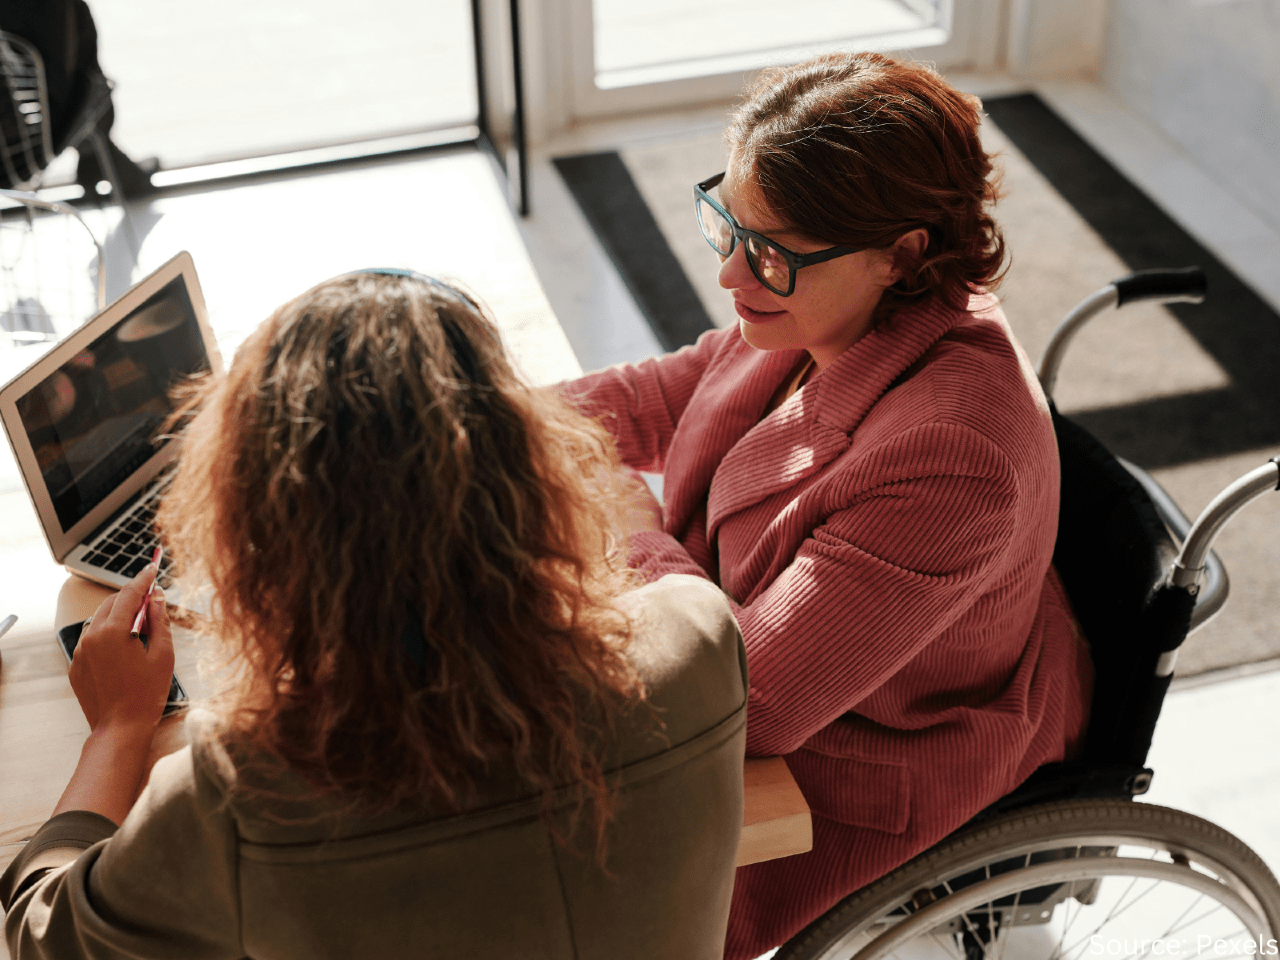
(815, 425)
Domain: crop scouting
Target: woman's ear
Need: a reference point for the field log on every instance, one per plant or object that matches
(908, 249)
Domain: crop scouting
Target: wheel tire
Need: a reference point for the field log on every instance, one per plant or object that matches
(1082, 842)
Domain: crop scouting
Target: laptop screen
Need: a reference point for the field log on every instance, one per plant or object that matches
(97, 418)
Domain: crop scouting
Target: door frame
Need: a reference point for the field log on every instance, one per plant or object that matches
(500, 95)
(561, 78)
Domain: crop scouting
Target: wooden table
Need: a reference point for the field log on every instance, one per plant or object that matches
(775, 819)
(42, 729)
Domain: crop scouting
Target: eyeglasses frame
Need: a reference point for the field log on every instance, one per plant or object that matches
(795, 261)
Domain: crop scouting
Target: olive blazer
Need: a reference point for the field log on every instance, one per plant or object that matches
(196, 874)
(885, 536)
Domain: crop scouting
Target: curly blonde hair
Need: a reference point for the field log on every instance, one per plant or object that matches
(411, 552)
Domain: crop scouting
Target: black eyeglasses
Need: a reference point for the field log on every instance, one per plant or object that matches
(773, 265)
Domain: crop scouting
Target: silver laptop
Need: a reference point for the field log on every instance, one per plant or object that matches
(85, 422)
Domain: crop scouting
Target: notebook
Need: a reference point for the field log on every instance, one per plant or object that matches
(85, 422)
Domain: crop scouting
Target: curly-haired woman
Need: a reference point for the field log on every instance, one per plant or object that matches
(451, 725)
(866, 465)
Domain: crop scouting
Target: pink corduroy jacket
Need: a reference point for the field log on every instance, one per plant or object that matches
(886, 537)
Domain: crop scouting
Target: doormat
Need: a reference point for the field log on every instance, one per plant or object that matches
(621, 218)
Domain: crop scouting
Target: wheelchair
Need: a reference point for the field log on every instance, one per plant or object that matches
(1067, 865)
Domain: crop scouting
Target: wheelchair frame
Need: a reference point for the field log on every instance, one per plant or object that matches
(1016, 879)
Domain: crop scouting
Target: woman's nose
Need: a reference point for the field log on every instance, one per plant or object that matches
(735, 272)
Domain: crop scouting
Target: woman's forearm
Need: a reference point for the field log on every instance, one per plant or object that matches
(112, 763)
(640, 404)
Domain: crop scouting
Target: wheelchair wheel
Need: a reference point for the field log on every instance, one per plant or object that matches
(1080, 878)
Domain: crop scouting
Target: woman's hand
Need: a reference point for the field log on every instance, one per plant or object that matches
(642, 511)
(122, 687)
(118, 681)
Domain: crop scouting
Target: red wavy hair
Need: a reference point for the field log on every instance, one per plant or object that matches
(411, 554)
(858, 149)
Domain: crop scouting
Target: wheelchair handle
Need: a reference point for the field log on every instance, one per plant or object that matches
(1213, 594)
(1169, 285)
(29, 200)
(1181, 284)
(1191, 560)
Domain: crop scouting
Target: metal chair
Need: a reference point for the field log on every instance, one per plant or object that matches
(52, 271)
(26, 144)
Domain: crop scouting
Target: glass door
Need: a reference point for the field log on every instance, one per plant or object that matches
(670, 53)
(200, 83)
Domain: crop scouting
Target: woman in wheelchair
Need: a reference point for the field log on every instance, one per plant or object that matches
(451, 725)
(867, 467)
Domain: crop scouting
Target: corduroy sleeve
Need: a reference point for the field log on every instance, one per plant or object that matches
(641, 404)
(162, 886)
(886, 572)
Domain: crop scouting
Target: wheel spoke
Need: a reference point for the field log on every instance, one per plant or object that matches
(1017, 898)
(969, 926)
(946, 885)
(1208, 913)
(1117, 909)
(991, 917)
(1067, 923)
(943, 946)
(1174, 928)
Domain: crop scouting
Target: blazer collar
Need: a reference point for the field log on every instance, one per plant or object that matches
(815, 425)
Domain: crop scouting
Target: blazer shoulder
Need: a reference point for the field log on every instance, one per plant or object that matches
(689, 651)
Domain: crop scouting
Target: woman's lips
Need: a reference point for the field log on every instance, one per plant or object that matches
(755, 316)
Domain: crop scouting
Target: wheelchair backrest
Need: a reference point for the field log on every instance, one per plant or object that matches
(1112, 554)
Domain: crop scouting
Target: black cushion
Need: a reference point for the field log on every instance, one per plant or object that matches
(1111, 554)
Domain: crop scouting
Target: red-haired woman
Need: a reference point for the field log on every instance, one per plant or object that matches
(438, 667)
(866, 466)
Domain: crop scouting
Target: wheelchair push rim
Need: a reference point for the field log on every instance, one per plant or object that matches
(1065, 880)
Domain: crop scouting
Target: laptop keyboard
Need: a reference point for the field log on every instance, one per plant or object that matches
(126, 546)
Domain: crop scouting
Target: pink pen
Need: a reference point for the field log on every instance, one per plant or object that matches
(140, 621)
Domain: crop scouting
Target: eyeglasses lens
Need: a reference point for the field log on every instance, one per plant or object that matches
(771, 267)
(715, 228)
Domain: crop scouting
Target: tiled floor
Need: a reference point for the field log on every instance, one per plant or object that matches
(257, 245)
(1214, 755)
(1218, 216)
